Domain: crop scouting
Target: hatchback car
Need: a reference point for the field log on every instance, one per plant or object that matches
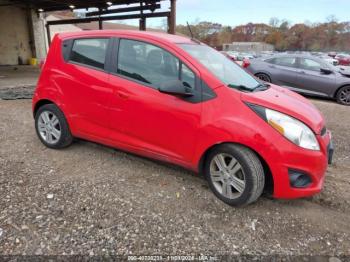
(176, 100)
(305, 74)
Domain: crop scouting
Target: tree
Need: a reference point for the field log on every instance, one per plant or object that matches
(331, 35)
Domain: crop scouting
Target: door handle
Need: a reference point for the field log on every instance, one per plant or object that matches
(272, 66)
(302, 72)
(122, 95)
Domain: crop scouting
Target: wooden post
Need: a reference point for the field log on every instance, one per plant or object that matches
(100, 22)
(142, 25)
(172, 18)
(48, 34)
(142, 21)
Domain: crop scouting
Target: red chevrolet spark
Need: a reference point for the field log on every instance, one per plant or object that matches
(177, 100)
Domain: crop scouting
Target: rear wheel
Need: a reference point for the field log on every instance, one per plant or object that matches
(263, 77)
(52, 127)
(343, 95)
(235, 174)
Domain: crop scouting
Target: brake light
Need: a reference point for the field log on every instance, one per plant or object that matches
(246, 63)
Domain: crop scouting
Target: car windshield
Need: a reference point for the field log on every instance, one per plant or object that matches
(223, 68)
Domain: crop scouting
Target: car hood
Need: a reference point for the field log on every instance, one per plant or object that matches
(287, 102)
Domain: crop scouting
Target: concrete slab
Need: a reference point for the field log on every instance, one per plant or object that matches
(18, 76)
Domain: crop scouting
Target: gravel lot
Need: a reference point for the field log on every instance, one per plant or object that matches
(91, 199)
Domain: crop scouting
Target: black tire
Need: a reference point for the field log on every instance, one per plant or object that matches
(251, 167)
(343, 95)
(263, 77)
(65, 138)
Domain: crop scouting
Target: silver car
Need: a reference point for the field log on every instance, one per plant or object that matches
(304, 74)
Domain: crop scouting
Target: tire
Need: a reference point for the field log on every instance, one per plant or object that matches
(247, 168)
(343, 95)
(52, 128)
(263, 77)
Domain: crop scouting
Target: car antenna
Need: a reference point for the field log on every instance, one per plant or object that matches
(192, 38)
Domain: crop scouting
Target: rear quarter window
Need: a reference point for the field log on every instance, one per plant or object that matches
(90, 52)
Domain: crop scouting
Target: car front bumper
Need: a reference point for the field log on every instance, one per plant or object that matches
(312, 163)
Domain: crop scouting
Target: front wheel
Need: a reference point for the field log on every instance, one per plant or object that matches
(235, 174)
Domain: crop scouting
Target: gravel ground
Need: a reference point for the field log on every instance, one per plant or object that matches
(91, 199)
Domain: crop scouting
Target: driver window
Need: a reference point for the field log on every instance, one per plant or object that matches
(148, 63)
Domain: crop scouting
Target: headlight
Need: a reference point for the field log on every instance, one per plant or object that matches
(291, 128)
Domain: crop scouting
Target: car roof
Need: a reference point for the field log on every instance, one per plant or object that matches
(143, 34)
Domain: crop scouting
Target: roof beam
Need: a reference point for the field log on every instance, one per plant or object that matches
(107, 18)
(58, 5)
(124, 10)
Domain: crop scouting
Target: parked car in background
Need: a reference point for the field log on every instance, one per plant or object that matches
(304, 74)
(332, 54)
(242, 56)
(229, 55)
(329, 59)
(177, 100)
(233, 54)
(343, 59)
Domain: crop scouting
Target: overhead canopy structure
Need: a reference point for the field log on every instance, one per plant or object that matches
(107, 10)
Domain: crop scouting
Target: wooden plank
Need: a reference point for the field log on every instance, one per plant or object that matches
(107, 18)
(124, 10)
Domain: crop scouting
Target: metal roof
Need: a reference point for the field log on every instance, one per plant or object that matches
(57, 5)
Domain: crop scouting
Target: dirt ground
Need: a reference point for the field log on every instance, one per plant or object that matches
(91, 199)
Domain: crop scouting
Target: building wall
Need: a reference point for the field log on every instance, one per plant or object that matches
(256, 47)
(14, 36)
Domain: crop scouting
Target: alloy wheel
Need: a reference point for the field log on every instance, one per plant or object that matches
(227, 176)
(344, 96)
(49, 127)
(264, 77)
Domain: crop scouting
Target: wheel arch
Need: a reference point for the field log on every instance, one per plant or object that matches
(269, 181)
(40, 103)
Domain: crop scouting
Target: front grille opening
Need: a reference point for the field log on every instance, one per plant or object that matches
(299, 179)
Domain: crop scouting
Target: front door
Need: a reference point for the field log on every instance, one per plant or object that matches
(162, 125)
(311, 80)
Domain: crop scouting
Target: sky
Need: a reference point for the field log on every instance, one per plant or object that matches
(236, 12)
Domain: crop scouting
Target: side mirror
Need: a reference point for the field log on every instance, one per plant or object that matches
(175, 87)
(326, 71)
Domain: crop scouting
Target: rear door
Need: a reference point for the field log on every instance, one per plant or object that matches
(283, 70)
(311, 80)
(142, 117)
(84, 84)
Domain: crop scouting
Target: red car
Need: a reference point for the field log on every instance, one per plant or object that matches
(176, 100)
(343, 59)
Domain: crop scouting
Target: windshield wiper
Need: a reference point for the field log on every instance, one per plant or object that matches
(241, 87)
(259, 87)
(262, 87)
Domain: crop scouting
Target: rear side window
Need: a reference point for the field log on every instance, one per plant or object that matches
(283, 61)
(90, 52)
(151, 65)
